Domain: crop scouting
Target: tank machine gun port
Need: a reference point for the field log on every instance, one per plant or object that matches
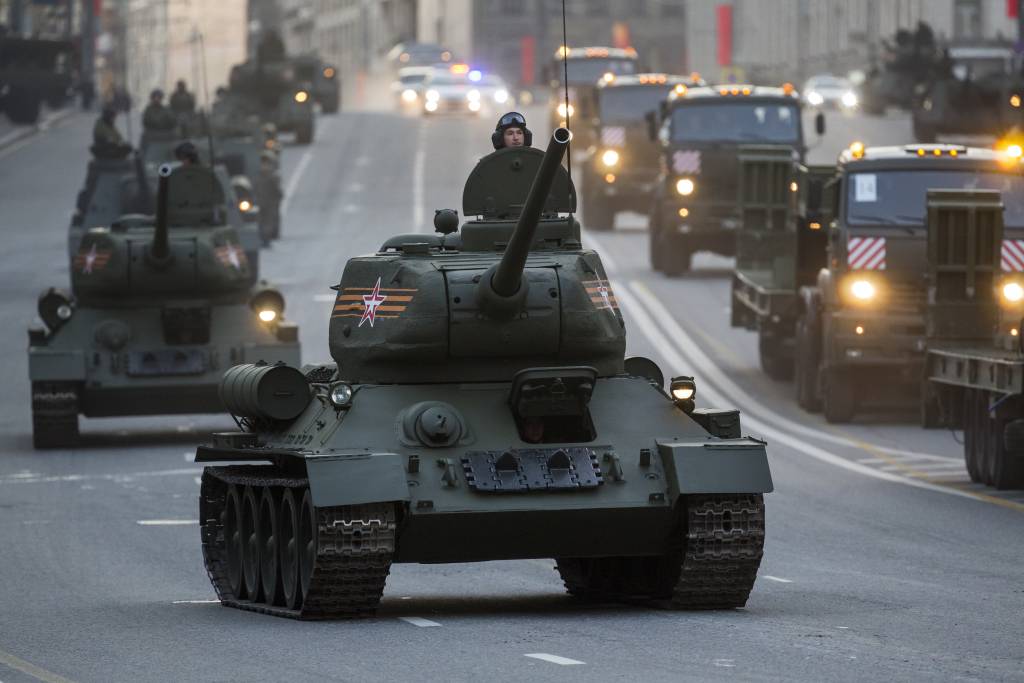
(159, 307)
(498, 351)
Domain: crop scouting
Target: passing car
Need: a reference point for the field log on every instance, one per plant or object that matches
(494, 92)
(408, 86)
(830, 92)
(418, 54)
(445, 92)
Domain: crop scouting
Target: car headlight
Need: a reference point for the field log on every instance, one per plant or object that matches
(564, 111)
(863, 290)
(849, 100)
(501, 96)
(610, 157)
(474, 105)
(268, 304)
(1013, 292)
(815, 99)
(685, 186)
(301, 96)
(430, 105)
(473, 95)
(408, 95)
(433, 95)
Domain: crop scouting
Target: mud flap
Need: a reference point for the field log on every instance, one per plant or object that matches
(721, 466)
(357, 479)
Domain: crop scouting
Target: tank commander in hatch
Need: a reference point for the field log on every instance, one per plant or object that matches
(107, 142)
(157, 116)
(187, 154)
(511, 131)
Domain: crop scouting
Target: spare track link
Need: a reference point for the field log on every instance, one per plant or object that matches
(354, 551)
(723, 548)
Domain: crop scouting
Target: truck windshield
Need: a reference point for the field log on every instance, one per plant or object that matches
(736, 121)
(899, 197)
(630, 103)
(587, 71)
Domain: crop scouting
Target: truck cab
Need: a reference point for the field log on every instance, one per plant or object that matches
(862, 327)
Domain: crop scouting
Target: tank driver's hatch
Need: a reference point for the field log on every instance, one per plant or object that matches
(497, 187)
(195, 197)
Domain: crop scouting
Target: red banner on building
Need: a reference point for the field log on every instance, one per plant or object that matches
(620, 35)
(724, 15)
(527, 59)
(1012, 7)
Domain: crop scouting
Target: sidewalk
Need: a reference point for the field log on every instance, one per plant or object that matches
(10, 133)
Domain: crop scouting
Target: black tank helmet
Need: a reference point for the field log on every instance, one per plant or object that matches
(186, 152)
(512, 119)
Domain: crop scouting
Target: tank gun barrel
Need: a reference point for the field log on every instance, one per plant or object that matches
(507, 276)
(160, 250)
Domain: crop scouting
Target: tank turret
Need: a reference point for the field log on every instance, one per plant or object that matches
(513, 288)
(185, 249)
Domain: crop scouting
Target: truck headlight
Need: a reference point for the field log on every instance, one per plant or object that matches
(301, 96)
(685, 186)
(610, 157)
(564, 112)
(1013, 292)
(268, 304)
(863, 290)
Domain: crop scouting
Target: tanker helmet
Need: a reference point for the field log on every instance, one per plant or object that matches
(512, 119)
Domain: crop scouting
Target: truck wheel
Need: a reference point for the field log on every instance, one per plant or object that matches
(839, 399)
(330, 105)
(657, 256)
(22, 106)
(773, 359)
(54, 414)
(807, 358)
(677, 255)
(304, 134)
(1006, 467)
(971, 459)
(598, 215)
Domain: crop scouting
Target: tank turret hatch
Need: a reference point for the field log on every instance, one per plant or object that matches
(498, 186)
(195, 197)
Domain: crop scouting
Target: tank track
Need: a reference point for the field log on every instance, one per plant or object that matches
(54, 414)
(355, 547)
(712, 566)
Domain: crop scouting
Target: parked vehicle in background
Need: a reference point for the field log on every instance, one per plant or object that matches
(830, 92)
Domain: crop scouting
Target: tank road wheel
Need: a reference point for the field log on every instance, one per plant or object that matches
(307, 543)
(722, 549)
(250, 544)
(54, 414)
(289, 525)
(839, 400)
(677, 254)
(267, 537)
(806, 361)
(971, 452)
(232, 523)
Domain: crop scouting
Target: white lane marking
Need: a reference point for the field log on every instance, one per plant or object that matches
(120, 477)
(611, 268)
(722, 390)
(725, 663)
(198, 480)
(777, 579)
(189, 456)
(293, 182)
(167, 522)
(356, 187)
(195, 602)
(937, 468)
(419, 621)
(362, 161)
(417, 183)
(350, 208)
(554, 659)
(324, 298)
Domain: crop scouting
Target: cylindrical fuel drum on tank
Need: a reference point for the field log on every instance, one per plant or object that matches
(269, 392)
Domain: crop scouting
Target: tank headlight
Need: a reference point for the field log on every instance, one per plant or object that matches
(501, 96)
(340, 394)
(849, 99)
(301, 96)
(863, 290)
(433, 95)
(610, 157)
(1013, 292)
(328, 72)
(55, 308)
(244, 205)
(267, 315)
(683, 390)
(268, 303)
(815, 99)
(64, 312)
(564, 111)
(685, 186)
(408, 95)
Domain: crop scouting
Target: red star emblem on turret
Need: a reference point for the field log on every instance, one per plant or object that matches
(370, 303)
(90, 259)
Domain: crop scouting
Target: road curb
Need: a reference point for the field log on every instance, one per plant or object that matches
(42, 126)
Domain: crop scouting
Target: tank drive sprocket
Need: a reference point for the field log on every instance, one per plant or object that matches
(342, 562)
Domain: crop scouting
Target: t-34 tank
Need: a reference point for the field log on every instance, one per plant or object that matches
(480, 407)
(159, 308)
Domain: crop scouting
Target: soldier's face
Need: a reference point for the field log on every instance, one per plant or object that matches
(514, 137)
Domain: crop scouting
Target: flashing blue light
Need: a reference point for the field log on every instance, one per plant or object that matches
(475, 75)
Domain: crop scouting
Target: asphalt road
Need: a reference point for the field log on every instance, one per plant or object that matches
(881, 561)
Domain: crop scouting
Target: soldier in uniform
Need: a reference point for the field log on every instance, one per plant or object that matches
(156, 116)
(187, 154)
(183, 103)
(511, 131)
(269, 195)
(107, 142)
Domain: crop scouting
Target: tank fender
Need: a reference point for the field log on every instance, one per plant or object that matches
(356, 479)
(718, 466)
(51, 365)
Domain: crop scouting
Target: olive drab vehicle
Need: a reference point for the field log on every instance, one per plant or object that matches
(908, 63)
(270, 90)
(861, 330)
(621, 169)
(323, 77)
(974, 368)
(33, 71)
(479, 407)
(159, 307)
(703, 134)
(113, 188)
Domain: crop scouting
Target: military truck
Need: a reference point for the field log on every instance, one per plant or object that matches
(907, 64)
(974, 366)
(480, 407)
(323, 77)
(159, 307)
(586, 67)
(978, 92)
(273, 92)
(702, 133)
(861, 329)
(33, 71)
(620, 171)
